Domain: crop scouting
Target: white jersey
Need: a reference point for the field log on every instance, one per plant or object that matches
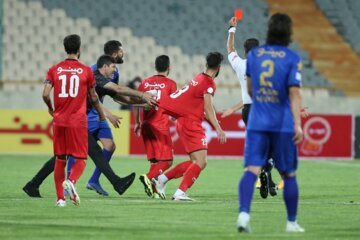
(239, 66)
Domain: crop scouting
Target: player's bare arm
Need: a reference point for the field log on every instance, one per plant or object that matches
(211, 117)
(94, 99)
(115, 120)
(295, 103)
(229, 111)
(249, 86)
(137, 128)
(144, 96)
(46, 97)
(230, 41)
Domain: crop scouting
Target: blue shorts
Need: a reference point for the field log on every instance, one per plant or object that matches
(100, 129)
(258, 145)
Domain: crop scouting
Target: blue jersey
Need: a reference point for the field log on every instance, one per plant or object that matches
(93, 114)
(272, 69)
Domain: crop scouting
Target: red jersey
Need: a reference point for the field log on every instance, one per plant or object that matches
(164, 87)
(189, 101)
(72, 81)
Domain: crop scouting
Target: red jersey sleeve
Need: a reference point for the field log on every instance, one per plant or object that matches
(49, 76)
(209, 87)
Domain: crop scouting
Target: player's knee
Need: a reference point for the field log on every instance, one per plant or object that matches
(111, 147)
(254, 169)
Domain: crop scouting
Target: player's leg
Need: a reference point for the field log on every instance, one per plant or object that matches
(32, 187)
(60, 150)
(286, 161)
(59, 178)
(95, 152)
(191, 174)
(76, 146)
(105, 136)
(256, 151)
(173, 173)
(149, 139)
(193, 138)
(159, 149)
(108, 150)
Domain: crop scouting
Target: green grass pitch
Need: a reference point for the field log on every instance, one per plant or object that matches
(329, 205)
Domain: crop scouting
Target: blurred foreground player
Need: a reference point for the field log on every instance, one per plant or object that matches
(274, 81)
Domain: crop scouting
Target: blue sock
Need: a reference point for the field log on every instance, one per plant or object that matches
(96, 174)
(291, 197)
(70, 163)
(246, 191)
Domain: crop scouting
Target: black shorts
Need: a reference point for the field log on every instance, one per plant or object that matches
(245, 113)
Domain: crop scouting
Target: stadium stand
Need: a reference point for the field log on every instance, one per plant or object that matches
(166, 29)
(185, 30)
(331, 55)
(345, 17)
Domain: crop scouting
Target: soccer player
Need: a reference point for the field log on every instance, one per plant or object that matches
(154, 128)
(96, 154)
(107, 84)
(274, 81)
(190, 105)
(72, 82)
(239, 65)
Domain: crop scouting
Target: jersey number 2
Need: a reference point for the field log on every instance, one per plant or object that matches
(267, 74)
(74, 86)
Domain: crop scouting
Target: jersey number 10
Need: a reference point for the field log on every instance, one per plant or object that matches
(74, 86)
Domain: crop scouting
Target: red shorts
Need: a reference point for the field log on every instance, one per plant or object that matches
(192, 134)
(158, 144)
(71, 141)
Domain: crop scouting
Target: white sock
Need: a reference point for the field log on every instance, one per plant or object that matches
(162, 179)
(178, 192)
(245, 216)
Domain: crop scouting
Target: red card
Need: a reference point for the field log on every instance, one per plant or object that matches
(238, 14)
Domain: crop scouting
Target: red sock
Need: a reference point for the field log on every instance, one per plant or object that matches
(178, 170)
(158, 168)
(77, 170)
(59, 177)
(190, 176)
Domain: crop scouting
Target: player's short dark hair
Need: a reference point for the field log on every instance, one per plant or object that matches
(104, 60)
(162, 63)
(72, 44)
(279, 30)
(111, 47)
(250, 43)
(214, 59)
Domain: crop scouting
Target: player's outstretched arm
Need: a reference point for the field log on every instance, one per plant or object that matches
(122, 90)
(46, 97)
(94, 99)
(211, 117)
(295, 103)
(230, 41)
(229, 111)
